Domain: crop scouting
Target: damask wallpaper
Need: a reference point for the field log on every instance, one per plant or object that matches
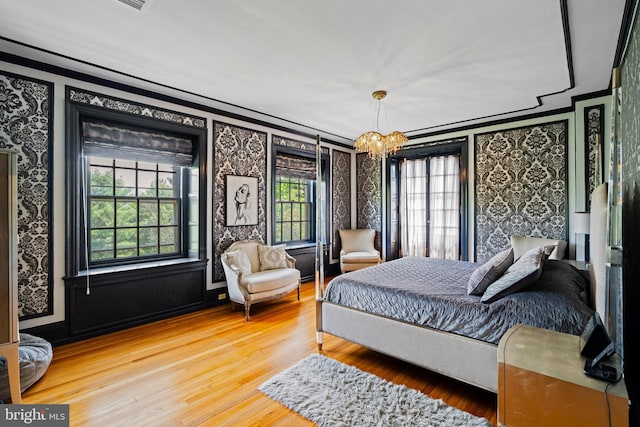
(593, 128)
(237, 151)
(341, 173)
(26, 127)
(82, 96)
(369, 195)
(520, 185)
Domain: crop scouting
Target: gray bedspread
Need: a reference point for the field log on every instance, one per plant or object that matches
(433, 292)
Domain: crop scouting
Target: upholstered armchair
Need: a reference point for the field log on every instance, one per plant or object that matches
(256, 272)
(357, 250)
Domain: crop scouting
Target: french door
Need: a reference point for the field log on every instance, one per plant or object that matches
(426, 215)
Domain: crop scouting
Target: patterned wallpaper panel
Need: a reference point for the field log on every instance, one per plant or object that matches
(82, 96)
(292, 143)
(341, 190)
(237, 151)
(521, 186)
(593, 125)
(26, 127)
(369, 195)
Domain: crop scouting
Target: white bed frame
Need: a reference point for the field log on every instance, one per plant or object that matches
(465, 359)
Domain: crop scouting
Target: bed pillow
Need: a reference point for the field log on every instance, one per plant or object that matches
(272, 257)
(489, 272)
(522, 244)
(239, 260)
(521, 274)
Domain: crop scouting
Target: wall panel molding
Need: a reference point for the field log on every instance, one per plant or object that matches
(26, 126)
(237, 151)
(521, 186)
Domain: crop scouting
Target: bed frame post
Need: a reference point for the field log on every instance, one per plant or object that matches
(319, 333)
(319, 247)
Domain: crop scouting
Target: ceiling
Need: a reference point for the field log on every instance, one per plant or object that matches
(312, 65)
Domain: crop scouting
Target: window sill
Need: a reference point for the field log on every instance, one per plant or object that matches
(98, 271)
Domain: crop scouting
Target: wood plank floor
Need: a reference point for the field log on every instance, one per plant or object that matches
(203, 369)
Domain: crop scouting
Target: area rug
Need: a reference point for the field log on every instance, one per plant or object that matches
(330, 393)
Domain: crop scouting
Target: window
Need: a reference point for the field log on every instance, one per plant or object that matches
(294, 195)
(136, 190)
(134, 209)
(294, 205)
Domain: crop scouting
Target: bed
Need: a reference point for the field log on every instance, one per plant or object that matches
(449, 331)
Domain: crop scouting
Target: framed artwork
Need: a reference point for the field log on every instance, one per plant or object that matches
(241, 200)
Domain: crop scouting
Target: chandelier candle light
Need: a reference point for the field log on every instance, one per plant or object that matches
(376, 144)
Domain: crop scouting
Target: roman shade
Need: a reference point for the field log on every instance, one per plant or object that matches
(105, 140)
(293, 166)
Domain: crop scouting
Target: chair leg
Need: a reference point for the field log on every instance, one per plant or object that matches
(298, 292)
(247, 307)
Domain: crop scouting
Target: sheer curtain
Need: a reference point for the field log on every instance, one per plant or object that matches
(444, 204)
(413, 208)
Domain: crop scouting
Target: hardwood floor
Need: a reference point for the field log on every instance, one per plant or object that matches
(204, 368)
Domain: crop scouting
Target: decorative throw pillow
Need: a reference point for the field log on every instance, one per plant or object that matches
(521, 274)
(239, 260)
(489, 272)
(522, 244)
(272, 257)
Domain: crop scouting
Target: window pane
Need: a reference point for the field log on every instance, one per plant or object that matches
(126, 242)
(306, 212)
(101, 181)
(286, 211)
(168, 212)
(127, 213)
(166, 185)
(147, 185)
(148, 241)
(125, 164)
(147, 166)
(101, 244)
(279, 232)
(295, 231)
(278, 212)
(101, 213)
(148, 212)
(304, 231)
(125, 182)
(286, 232)
(169, 239)
(284, 191)
(295, 212)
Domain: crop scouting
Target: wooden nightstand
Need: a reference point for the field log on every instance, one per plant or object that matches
(541, 383)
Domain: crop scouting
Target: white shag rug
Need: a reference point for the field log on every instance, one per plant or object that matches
(330, 393)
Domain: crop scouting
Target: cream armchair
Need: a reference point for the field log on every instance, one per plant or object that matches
(357, 249)
(256, 272)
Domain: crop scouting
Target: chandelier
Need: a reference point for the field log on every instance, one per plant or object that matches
(376, 144)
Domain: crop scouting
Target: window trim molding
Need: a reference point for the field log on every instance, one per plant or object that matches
(75, 113)
(324, 157)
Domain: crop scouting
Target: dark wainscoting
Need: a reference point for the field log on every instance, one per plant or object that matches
(124, 299)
